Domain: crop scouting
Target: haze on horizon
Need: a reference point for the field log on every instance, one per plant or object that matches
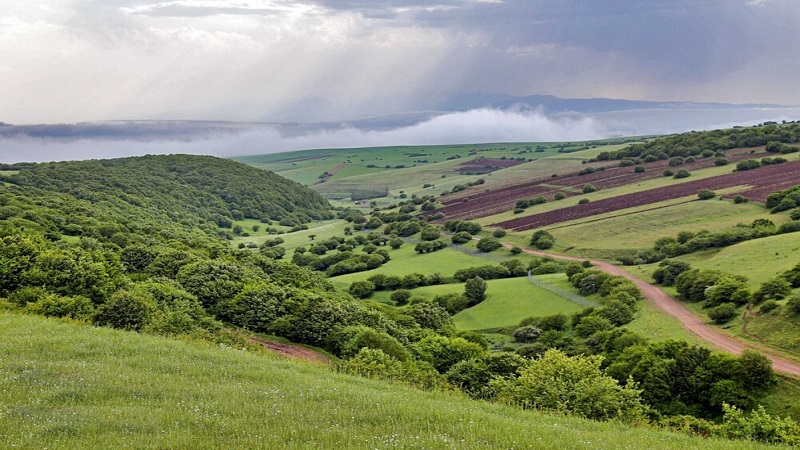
(69, 61)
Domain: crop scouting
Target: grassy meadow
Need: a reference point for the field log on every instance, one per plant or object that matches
(66, 385)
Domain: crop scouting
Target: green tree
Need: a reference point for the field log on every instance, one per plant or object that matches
(475, 290)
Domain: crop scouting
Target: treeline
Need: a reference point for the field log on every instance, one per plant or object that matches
(694, 143)
(687, 242)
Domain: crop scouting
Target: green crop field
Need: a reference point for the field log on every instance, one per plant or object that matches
(640, 227)
(76, 386)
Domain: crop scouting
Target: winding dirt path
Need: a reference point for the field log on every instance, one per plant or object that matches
(687, 318)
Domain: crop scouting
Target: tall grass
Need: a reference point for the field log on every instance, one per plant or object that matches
(75, 387)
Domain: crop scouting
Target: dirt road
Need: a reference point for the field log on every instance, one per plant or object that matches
(687, 318)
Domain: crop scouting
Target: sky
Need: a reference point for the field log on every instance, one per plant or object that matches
(69, 61)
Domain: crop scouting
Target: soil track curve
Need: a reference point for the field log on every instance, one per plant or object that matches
(687, 318)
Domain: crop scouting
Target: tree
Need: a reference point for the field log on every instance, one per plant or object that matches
(475, 290)
(755, 371)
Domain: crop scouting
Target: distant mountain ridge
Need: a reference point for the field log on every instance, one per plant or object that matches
(146, 130)
(550, 103)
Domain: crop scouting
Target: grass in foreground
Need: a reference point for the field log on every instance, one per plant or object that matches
(75, 386)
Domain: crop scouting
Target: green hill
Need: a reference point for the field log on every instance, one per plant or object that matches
(171, 197)
(75, 386)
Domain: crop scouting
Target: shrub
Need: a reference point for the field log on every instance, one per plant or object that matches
(527, 334)
(362, 289)
(400, 296)
(706, 194)
(668, 173)
(52, 305)
(722, 313)
(768, 306)
(462, 237)
(740, 199)
(126, 310)
(588, 188)
(488, 244)
(748, 164)
(559, 196)
(498, 233)
(542, 240)
(683, 173)
(638, 169)
(720, 162)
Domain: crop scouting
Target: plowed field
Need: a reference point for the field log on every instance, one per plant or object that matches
(761, 181)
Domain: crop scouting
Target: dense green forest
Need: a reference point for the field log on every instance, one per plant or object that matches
(140, 244)
(173, 197)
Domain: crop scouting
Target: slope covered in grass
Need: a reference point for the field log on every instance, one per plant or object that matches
(75, 386)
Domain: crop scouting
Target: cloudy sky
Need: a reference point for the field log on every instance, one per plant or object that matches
(69, 61)
(311, 60)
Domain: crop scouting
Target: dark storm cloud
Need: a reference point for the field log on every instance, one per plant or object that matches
(667, 39)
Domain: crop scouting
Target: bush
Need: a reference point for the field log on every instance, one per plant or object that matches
(638, 169)
(768, 306)
(498, 233)
(527, 334)
(488, 244)
(126, 310)
(668, 173)
(720, 162)
(740, 199)
(583, 201)
(362, 289)
(559, 196)
(722, 313)
(588, 188)
(400, 296)
(706, 194)
(683, 173)
(542, 240)
(462, 237)
(747, 164)
(52, 305)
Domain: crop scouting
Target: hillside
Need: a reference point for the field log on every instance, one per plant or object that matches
(74, 386)
(171, 197)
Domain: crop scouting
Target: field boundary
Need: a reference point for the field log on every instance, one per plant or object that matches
(571, 296)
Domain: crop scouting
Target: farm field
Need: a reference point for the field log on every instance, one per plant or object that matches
(76, 386)
(607, 174)
(765, 176)
(641, 227)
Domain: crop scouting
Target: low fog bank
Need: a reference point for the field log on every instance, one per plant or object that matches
(120, 139)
